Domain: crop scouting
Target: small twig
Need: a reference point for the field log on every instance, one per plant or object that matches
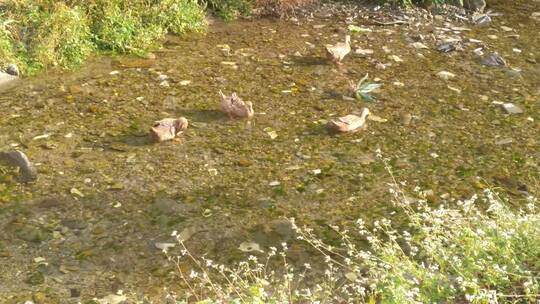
(390, 22)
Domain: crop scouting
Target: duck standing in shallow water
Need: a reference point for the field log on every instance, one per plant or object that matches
(168, 128)
(338, 51)
(349, 123)
(235, 107)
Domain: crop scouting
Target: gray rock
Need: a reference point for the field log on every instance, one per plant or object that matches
(13, 70)
(482, 20)
(6, 78)
(19, 159)
(494, 60)
(449, 47)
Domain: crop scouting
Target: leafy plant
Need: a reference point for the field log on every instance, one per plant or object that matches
(362, 89)
(44, 33)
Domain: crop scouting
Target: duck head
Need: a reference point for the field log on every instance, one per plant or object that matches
(365, 113)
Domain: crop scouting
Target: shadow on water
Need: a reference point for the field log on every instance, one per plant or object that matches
(204, 116)
(310, 61)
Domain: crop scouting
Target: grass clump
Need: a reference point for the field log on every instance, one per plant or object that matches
(477, 250)
(51, 35)
(38, 33)
(230, 9)
(7, 49)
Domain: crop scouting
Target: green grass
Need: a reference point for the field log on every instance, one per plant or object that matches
(36, 34)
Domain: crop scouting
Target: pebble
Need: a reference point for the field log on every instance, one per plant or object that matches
(504, 141)
(511, 108)
(364, 52)
(395, 58)
(164, 246)
(446, 75)
(493, 60)
(162, 77)
(482, 20)
(446, 47)
(112, 299)
(419, 45)
(380, 66)
(406, 119)
(274, 184)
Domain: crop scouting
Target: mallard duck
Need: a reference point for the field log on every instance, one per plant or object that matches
(349, 123)
(338, 51)
(168, 128)
(233, 106)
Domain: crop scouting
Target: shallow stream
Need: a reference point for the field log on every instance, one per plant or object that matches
(106, 195)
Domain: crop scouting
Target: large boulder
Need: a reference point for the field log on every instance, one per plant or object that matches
(6, 78)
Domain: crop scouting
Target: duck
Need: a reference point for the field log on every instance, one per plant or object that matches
(168, 128)
(338, 51)
(349, 123)
(235, 107)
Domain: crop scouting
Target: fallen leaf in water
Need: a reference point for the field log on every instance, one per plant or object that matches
(419, 45)
(357, 29)
(75, 191)
(164, 246)
(446, 75)
(396, 58)
(272, 134)
(376, 118)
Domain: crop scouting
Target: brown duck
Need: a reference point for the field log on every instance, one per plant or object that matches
(235, 107)
(168, 128)
(338, 51)
(349, 123)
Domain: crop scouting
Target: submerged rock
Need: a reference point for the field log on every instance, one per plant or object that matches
(445, 75)
(113, 299)
(13, 70)
(6, 78)
(481, 20)
(19, 159)
(511, 108)
(494, 60)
